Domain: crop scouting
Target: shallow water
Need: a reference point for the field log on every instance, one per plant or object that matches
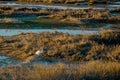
(5, 61)
(10, 32)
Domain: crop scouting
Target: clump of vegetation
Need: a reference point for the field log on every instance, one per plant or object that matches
(89, 71)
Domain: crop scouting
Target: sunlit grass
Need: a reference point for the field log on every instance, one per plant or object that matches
(94, 70)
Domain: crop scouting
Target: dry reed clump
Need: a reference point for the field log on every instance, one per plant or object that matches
(89, 71)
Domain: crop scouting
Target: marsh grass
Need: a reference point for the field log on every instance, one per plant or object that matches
(64, 46)
(93, 70)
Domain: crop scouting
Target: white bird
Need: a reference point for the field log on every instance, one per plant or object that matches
(24, 62)
(39, 52)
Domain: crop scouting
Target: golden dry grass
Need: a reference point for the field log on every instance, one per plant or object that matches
(93, 70)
